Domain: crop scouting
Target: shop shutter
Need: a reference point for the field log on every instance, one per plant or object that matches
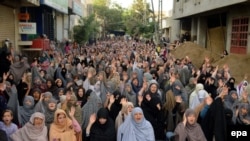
(7, 24)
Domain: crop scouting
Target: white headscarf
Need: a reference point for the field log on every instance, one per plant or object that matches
(131, 130)
(29, 132)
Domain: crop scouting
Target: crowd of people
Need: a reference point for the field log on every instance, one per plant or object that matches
(117, 90)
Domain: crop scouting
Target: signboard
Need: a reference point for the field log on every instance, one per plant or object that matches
(77, 8)
(24, 16)
(60, 5)
(27, 28)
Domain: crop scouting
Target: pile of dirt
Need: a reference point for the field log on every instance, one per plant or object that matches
(238, 64)
(195, 52)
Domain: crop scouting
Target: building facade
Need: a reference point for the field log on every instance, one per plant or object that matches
(215, 24)
(22, 21)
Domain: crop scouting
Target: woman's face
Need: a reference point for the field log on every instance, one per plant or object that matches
(61, 118)
(220, 82)
(28, 102)
(59, 83)
(191, 119)
(135, 82)
(60, 93)
(138, 117)
(130, 108)
(102, 120)
(36, 95)
(49, 84)
(128, 88)
(244, 111)
(7, 118)
(153, 88)
(80, 92)
(38, 122)
(47, 98)
(100, 77)
(234, 96)
(52, 106)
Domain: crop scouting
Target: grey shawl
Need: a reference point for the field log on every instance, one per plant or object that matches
(93, 104)
(26, 111)
(18, 69)
(29, 132)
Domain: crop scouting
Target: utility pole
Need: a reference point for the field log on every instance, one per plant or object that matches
(157, 40)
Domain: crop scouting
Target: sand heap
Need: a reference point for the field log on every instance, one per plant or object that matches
(238, 64)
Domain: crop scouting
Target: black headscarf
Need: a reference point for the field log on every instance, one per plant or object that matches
(103, 132)
(116, 106)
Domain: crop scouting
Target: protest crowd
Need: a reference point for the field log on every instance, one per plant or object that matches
(118, 90)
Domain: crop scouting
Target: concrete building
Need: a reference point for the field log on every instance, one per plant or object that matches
(10, 15)
(215, 24)
(23, 21)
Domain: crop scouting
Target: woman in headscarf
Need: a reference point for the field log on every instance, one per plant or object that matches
(173, 110)
(59, 93)
(114, 76)
(231, 100)
(38, 84)
(93, 104)
(59, 83)
(114, 105)
(26, 110)
(101, 128)
(135, 85)
(63, 128)
(198, 87)
(136, 128)
(50, 109)
(198, 99)
(23, 88)
(152, 109)
(81, 96)
(72, 103)
(189, 129)
(34, 130)
(51, 87)
(241, 115)
(41, 105)
(129, 93)
(103, 85)
(90, 80)
(127, 108)
(36, 94)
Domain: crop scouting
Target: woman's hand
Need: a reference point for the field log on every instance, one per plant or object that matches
(72, 112)
(92, 118)
(184, 119)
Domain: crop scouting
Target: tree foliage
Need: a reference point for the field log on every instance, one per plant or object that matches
(136, 20)
(109, 14)
(86, 29)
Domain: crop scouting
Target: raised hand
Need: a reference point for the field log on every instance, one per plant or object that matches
(92, 118)
(112, 99)
(72, 111)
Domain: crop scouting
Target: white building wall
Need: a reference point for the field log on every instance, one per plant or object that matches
(194, 29)
(174, 30)
(65, 26)
(59, 26)
(201, 31)
(184, 8)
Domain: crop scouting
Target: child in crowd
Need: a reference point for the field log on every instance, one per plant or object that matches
(7, 124)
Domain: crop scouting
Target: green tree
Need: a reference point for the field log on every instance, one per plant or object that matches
(109, 14)
(136, 20)
(87, 28)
